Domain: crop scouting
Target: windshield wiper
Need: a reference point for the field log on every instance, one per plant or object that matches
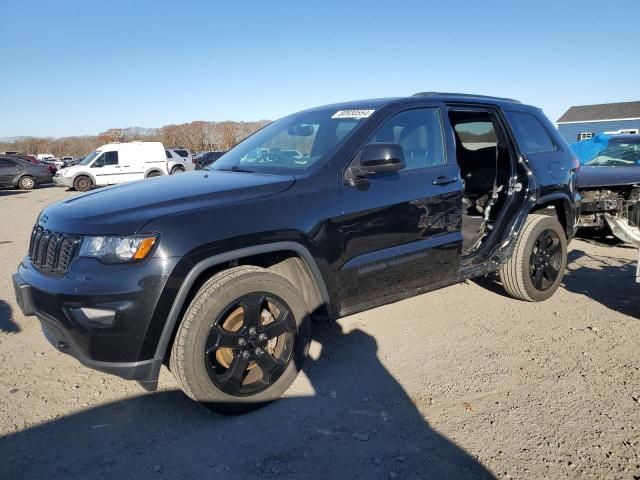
(236, 168)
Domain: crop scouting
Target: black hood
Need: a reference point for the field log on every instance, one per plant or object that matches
(607, 176)
(124, 209)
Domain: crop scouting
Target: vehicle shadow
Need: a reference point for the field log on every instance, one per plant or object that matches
(608, 280)
(491, 282)
(7, 324)
(6, 192)
(359, 424)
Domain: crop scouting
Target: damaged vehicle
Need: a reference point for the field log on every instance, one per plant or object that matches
(609, 182)
(218, 274)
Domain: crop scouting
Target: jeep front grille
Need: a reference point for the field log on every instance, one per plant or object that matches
(52, 251)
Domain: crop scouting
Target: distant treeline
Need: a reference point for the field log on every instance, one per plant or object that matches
(196, 136)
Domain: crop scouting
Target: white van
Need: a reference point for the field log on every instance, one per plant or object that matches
(115, 163)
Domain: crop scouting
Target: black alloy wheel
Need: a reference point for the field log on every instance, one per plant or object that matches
(250, 344)
(537, 263)
(546, 260)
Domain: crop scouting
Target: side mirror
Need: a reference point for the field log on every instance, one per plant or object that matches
(378, 158)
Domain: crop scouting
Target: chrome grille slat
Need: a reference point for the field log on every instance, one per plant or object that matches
(52, 251)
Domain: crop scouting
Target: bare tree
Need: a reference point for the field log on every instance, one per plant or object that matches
(195, 136)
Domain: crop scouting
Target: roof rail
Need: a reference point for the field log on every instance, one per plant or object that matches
(463, 95)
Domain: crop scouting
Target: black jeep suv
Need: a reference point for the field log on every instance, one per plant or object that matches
(321, 214)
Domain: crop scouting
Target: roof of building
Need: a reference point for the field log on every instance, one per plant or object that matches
(603, 111)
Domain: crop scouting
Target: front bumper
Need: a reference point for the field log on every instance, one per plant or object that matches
(66, 304)
(60, 181)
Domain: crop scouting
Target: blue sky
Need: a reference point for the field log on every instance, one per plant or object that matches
(73, 68)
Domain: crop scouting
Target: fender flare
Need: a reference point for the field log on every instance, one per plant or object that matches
(569, 210)
(194, 273)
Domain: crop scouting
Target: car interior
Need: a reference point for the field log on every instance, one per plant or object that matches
(486, 164)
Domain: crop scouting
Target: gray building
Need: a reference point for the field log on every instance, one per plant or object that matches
(585, 121)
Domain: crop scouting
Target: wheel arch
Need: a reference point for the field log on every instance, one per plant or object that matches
(20, 176)
(84, 174)
(152, 170)
(559, 205)
(289, 259)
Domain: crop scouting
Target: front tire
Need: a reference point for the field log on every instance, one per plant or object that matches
(537, 264)
(27, 183)
(242, 340)
(82, 183)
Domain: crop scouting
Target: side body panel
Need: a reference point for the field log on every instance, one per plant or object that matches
(400, 233)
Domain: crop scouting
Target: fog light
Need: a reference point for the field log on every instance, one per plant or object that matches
(94, 317)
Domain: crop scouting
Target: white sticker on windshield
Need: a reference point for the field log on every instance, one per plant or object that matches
(357, 114)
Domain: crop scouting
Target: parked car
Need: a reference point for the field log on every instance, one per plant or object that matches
(25, 156)
(70, 161)
(179, 160)
(54, 163)
(32, 159)
(218, 273)
(204, 159)
(114, 163)
(609, 182)
(23, 174)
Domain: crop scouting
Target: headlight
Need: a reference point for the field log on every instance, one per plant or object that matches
(115, 249)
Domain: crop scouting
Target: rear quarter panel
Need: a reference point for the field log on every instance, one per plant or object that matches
(554, 169)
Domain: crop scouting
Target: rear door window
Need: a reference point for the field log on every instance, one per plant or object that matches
(182, 153)
(531, 135)
(477, 134)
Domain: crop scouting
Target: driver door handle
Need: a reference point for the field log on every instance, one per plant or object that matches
(443, 180)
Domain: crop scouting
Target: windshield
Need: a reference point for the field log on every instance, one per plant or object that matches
(618, 154)
(292, 144)
(89, 158)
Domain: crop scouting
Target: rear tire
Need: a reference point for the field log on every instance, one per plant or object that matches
(208, 349)
(82, 183)
(155, 173)
(177, 169)
(537, 264)
(27, 183)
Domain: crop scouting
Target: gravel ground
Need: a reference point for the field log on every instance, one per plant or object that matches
(458, 383)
